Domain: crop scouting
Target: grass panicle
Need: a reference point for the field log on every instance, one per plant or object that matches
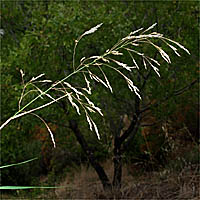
(78, 97)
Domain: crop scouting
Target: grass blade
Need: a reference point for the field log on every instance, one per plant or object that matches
(15, 164)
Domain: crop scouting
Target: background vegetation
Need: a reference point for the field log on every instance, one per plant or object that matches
(39, 37)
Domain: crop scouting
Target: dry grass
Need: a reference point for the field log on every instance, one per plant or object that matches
(84, 184)
(177, 180)
(151, 185)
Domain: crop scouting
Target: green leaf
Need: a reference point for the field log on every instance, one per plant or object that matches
(5, 166)
(25, 187)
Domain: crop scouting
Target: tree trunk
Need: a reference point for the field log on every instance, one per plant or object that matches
(117, 161)
(120, 141)
(98, 168)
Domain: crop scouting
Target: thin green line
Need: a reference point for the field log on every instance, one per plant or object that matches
(5, 166)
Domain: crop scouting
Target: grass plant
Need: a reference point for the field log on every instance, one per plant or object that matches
(78, 97)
